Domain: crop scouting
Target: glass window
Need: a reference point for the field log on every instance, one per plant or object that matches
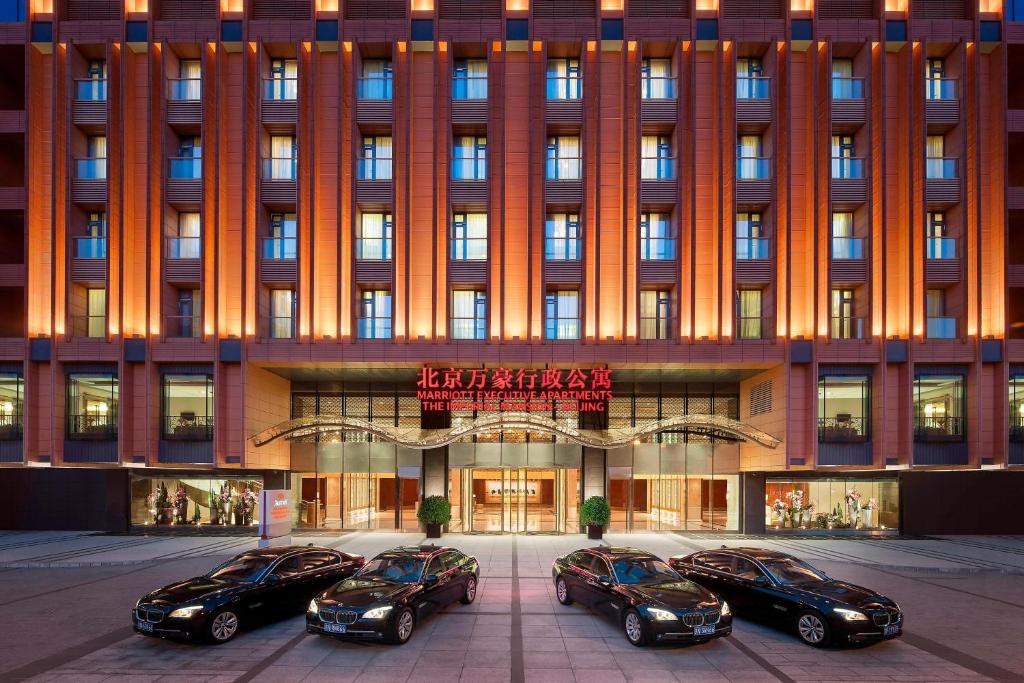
(845, 165)
(93, 244)
(832, 503)
(563, 158)
(200, 500)
(94, 323)
(374, 314)
(12, 11)
(188, 85)
(719, 562)
(939, 408)
(188, 321)
(12, 391)
(656, 80)
(188, 407)
(843, 408)
(751, 242)
(289, 566)
(92, 406)
(655, 313)
(656, 160)
(751, 83)
(93, 88)
(940, 245)
(562, 315)
(401, 568)
(311, 561)
(375, 239)
(282, 313)
(469, 237)
(845, 323)
(750, 162)
(562, 237)
(376, 160)
(1017, 408)
(187, 243)
(844, 244)
(748, 314)
(844, 85)
(469, 314)
(638, 571)
(469, 81)
(469, 157)
(564, 80)
(657, 243)
(375, 83)
(188, 164)
(281, 164)
(94, 165)
(283, 81)
(282, 243)
(937, 86)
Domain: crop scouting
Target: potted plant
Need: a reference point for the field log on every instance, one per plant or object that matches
(594, 514)
(869, 513)
(434, 512)
(180, 506)
(244, 508)
(197, 515)
(224, 503)
(161, 504)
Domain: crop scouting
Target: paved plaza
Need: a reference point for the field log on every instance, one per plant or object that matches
(65, 600)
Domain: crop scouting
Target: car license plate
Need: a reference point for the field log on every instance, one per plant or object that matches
(706, 630)
(335, 628)
(144, 626)
(891, 630)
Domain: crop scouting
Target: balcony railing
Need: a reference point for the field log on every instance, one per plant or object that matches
(184, 89)
(945, 428)
(280, 88)
(564, 87)
(562, 328)
(941, 248)
(753, 87)
(279, 248)
(375, 169)
(188, 427)
(847, 167)
(941, 327)
(91, 168)
(281, 327)
(184, 247)
(844, 327)
(561, 249)
(183, 326)
(469, 249)
(752, 248)
(373, 249)
(847, 88)
(469, 328)
(657, 168)
(101, 426)
(751, 327)
(847, 248)
(844, 429)
(374, 88)
(654, 328)
(941, 167)
(89, 326)
(90, 247)
(658, 88)
(469, 168)
(373, 328)
(657, 248)
(279, 168)
(185, 168)
(469, 87)
(564, 168)
(940, 88)
(753, 168)
(90, 89)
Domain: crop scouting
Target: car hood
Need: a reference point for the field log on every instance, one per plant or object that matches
(840, 592)
(357, 592)
(190, 590)
(673, 594)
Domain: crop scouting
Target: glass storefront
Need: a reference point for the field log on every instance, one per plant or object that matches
(832, 503)
(198, 500)
(514, 500)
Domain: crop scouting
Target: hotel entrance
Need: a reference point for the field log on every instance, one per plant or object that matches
(532, 500)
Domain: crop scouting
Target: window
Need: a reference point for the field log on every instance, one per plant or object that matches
(374, 242)
(1016, 408)
(750, 164)
(12, 392)
(469, 314)
(189, 83)
(375, 83)
(562, 315)
(656, 80)
(940, 245)
(374, 314)
(940, 325)
(936, 85)
(94, 243)
(844, 244)
(283, 81)
(282, 313)
(93, 88)
(282, 243)
(564, 81)
(832, 503)
(469, 81)
(656, 240)
(469, 237)
(937, 164)
(938, 407)
(188, 321)
(469, 157)
(843, 408)
(845, 324)
(563, 157)
(94, 322)
(375, 163)
(187, 243)
(313, 561)
(844, 165)
(655, 314)
(748, 314)
(92, 406)
(751, 243)
(562, 237)
(656, 161)
(281, 164)
(188, 407)
(12, 11)
(844, 85)
(750, 81)
(94, 165)
(188, 165)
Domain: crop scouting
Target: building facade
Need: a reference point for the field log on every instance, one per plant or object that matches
(736, 265)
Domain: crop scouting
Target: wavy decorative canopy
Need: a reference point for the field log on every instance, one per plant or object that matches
(414, 437)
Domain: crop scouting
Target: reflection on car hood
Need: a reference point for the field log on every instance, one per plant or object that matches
(674, 594)
(360, 592)
(840, 592)
(190, 590)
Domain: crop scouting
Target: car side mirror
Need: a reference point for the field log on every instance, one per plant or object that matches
(430, 579)
(604, 580)
(761, 580)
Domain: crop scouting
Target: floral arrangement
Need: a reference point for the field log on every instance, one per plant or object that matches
(779, 508)
(871, 504)
(180, 496)
(796, 500)
(246, 503)
(225, 494)
(853, 497)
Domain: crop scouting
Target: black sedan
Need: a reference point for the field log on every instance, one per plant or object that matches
(648, 598)
(257, 585)
(775, 587)
(391, 594)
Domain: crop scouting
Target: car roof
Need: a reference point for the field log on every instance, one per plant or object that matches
(613, 552)
(755, 553)
(282, 550)
(419, 551)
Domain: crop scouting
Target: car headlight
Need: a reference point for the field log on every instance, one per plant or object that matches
(726, 611)
(186, 612)
(377, 612)
(659, 614)
(313, 607)
(850, 614)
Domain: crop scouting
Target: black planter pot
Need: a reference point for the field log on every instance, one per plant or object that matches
(594, 532)
(433, 531)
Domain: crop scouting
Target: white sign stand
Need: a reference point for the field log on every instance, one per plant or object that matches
(275, 518)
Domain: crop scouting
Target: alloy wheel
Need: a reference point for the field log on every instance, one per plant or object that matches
(811, 629)
(470, 590)
(404, 626)
(562, 590)
(634, 629)
(224, 626)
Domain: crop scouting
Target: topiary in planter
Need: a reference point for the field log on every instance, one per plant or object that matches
(594, 514)
(434, 512)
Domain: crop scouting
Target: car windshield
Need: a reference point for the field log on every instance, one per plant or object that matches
(242, 568)
(402, 569)
(640, 570)
(792, 570)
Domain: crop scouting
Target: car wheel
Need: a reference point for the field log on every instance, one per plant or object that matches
(222, 626)
(470, 593)
(636, 631)
(812, 628)
(562, 591)
(400, 630)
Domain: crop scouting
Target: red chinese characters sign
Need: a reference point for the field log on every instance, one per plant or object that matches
(584, 390)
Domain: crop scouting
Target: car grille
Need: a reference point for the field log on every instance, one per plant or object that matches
(700, 618)
(153, 616)
(338, 616)
(884, 617)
